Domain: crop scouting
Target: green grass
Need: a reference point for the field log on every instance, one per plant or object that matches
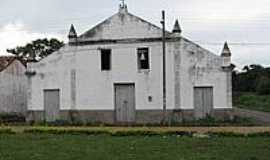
(253, 102)
(82, 147)
(6, 131)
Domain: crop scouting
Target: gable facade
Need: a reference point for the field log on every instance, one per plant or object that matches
(13, 84)
(126, 85)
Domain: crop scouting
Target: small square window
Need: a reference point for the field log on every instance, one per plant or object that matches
(105, 59)
(143, 58)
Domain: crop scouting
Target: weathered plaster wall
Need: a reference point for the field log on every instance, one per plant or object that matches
(13, 88)
(76, 71)
(201, 68)
(94, 89)
(121, 26)
(54, 72)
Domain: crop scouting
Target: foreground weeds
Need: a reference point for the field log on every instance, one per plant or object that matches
(156, 131)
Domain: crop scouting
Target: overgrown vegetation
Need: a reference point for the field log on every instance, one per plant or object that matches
(6, 131)
(6, 118)
(253, 78)
(252, 101)
(251, 88)
(195, 132)
(207, 122)
(108, 131)
(153, 131)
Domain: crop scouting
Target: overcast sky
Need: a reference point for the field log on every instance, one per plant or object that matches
(245, 24)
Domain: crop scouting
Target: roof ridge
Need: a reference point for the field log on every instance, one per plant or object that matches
(88, 32)
(95, 26)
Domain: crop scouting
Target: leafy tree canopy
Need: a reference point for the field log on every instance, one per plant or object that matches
(36, 50)
(254, 78)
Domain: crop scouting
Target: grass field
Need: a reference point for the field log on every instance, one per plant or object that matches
(82, 147)
(253, 102)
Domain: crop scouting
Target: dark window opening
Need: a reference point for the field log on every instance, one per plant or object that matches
(143, 58)
(105, 59)
(150, 98)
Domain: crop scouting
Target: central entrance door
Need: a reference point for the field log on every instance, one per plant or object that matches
(125, 103)
(203, 101)
(51, 105)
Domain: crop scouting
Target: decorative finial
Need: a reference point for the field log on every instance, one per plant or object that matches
(123, 7)
(226, 57)
(122, 3)
(72, 32)
(176, 28)
(72, 35)
(226, 52)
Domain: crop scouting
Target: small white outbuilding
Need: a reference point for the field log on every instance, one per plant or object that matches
(13, 86)
(113, 73)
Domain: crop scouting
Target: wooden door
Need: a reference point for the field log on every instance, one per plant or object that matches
(203, 101)
(125, 103)
(51, 105)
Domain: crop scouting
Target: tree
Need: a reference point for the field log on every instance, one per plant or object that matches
(36, 50)
(254, 78)
(256, 67)
(246, 68)
(263, 85)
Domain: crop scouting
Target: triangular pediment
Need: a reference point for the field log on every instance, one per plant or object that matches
(122, 26)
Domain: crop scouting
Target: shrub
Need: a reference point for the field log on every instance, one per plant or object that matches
(208, 121)
(259, 134)
(111, 132)
(135, 133)
(60, 123)
(263, 85)
(11, 118)
(180, 133)
(233, 134)
(243, 121)
(225, 134)
(119, 132)
(6, 131)
(65, 131)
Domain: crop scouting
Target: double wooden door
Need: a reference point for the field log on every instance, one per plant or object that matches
(125, 103)
(203, 101)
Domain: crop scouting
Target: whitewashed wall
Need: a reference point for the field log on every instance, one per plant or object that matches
(95, 88)
(201, 68)
(76, 70)
(13, 88)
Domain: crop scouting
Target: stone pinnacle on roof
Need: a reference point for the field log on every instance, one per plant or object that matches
(176, 28)
(72, 32)
(123, 7)
(226, 52)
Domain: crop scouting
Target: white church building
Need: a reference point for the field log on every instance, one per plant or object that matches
(113, 73)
